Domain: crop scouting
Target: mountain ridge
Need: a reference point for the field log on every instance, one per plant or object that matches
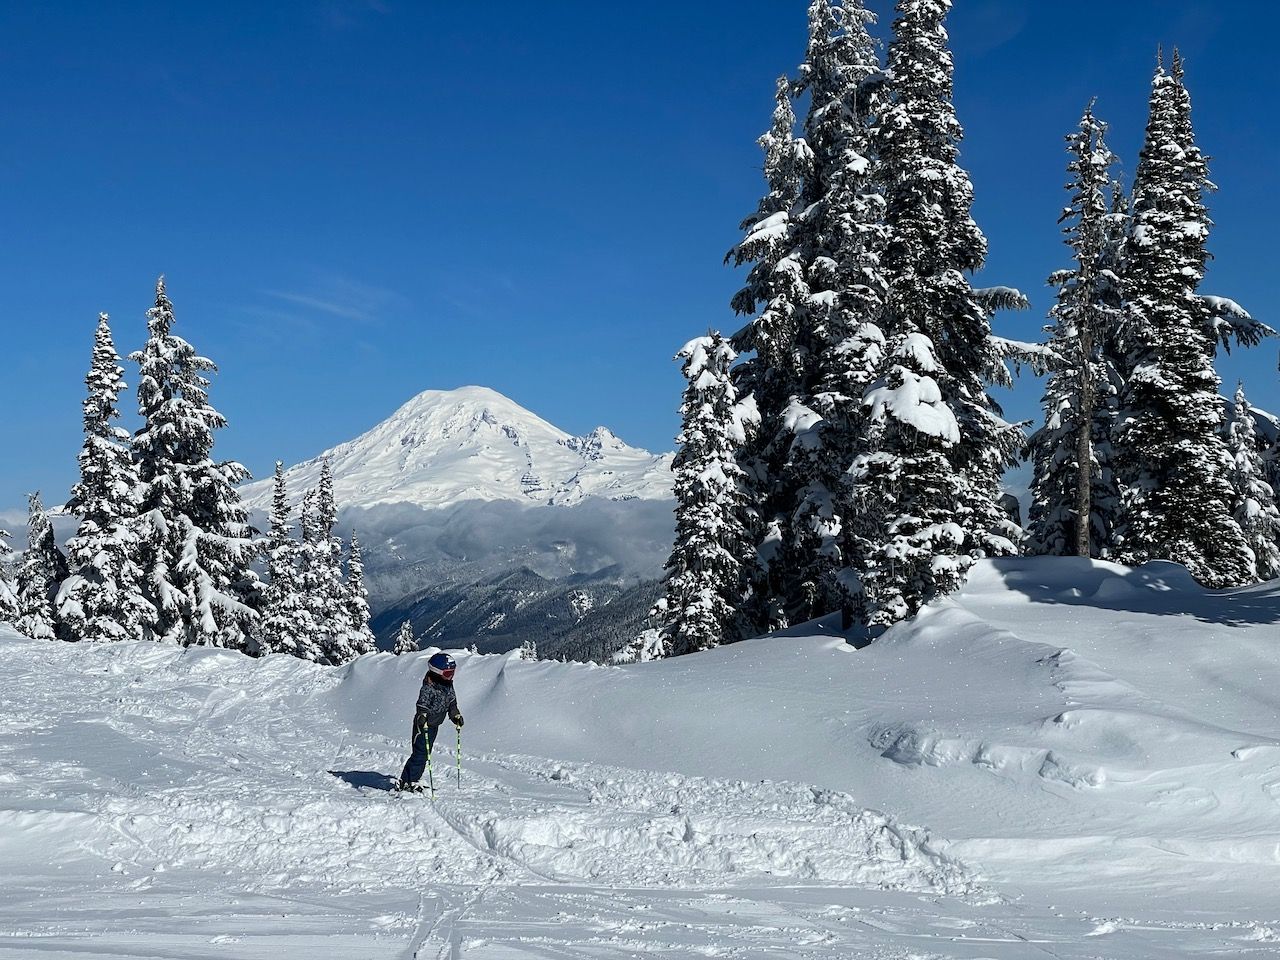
(444, 447)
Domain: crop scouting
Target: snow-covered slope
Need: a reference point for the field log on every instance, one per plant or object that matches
(1090, 757)
(445, 447)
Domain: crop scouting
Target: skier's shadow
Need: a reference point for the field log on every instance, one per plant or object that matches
(366, 778)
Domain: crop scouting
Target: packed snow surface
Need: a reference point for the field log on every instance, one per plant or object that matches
(445, 447)
(1065, 760)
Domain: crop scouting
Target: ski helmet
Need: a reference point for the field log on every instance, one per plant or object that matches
(442, 665)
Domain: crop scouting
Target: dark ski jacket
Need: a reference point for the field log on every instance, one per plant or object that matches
(436, 701)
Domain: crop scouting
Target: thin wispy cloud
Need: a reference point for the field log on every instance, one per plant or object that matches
(324, 306)
(339, 297)
(276, 324)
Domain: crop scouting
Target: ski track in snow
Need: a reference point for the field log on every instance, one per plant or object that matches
(161, 803)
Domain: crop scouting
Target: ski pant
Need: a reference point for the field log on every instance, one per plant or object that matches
(424, 738)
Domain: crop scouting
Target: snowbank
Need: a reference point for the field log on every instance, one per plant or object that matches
(1074, 732)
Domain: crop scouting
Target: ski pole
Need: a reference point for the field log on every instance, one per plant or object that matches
(458, 754)
(431, 779)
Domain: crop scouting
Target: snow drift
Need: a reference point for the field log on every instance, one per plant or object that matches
(1097, 749)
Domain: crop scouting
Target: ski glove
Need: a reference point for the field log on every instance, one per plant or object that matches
(457, 721)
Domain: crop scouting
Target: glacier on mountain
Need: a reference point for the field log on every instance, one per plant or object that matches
(446, 447)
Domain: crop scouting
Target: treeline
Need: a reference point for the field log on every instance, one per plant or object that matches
(841, 451)
(575, 619)
(164, 550)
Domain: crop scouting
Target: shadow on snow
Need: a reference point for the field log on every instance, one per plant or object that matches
(1159, 588)
(361, 779)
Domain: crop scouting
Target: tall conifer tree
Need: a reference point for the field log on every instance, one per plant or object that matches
(42, 570)
(103, 598)
(286, 625)
(196, 548)
(707, 583)
(311, 577)
(8, 587)
(828, 536)
(775, 290)
(815, 243)
(359, 637)
(1073, 476)
(940, 442)
(1173, 461)
(326, 590)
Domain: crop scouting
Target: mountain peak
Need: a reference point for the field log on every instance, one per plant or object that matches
(448, 446)
(468, 414)
(471, 397)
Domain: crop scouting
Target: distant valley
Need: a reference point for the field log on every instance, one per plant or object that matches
(484, 524)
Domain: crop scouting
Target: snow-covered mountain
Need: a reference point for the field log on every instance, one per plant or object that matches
(446, 447)
(461, 489)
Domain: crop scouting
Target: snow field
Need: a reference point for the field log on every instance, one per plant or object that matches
(149, 774)
(211, 760)
(1097, 749)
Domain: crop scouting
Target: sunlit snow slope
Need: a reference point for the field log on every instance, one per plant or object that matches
(1091, 757)
(445, 447)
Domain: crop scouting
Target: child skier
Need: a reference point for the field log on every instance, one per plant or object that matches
(436, 700)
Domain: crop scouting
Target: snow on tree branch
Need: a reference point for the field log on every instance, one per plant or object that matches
(992, 299)
(1228, 321)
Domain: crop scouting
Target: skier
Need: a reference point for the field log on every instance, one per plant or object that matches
(436, 700)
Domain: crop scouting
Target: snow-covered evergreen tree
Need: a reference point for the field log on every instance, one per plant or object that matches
(529, 650)
(326, 591)
(940, 444)
(1172, 459)
(1254, 499)
(360, 638)
(311, 577)
(1073, 476)
(196, 549)
(911, 484)
(649, 645)
(776, 288)
(8, 588)
(1225, 321)
(1107, 497)
(405, 642)
(41, 572)
(103, 598)
(338, 610)
(828, 537)
(707, 580)
(286, 625)
(814, 244)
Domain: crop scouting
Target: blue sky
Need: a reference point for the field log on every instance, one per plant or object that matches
(354, 201)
